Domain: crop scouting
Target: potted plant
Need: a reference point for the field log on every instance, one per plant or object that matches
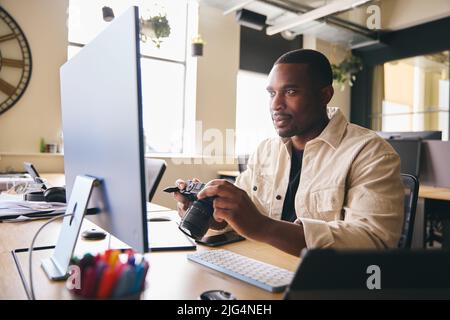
(197, 46)
(346, 71)
(154, 28)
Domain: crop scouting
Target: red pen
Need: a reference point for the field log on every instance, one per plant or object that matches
(88, 282)
(108, 281)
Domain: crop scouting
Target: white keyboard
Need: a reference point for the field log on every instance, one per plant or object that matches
(257, 273)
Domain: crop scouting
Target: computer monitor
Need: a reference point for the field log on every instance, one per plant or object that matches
(410, 154)
(371, 274)
(424, 135)
(103, 129)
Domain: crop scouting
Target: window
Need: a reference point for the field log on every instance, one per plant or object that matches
(415, 95)
(253, 121)
(165, 107)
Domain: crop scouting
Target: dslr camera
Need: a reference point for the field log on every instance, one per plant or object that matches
(199, 216)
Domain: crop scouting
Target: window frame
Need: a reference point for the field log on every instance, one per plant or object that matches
(189, 82)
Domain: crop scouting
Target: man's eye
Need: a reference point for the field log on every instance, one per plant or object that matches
(290, 92)
(271, 94)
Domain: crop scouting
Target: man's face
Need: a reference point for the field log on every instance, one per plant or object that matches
(296, 103)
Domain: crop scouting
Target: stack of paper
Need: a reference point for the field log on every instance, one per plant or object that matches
(10, 180)
(25, 210)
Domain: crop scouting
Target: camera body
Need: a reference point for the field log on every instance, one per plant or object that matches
(199, 216)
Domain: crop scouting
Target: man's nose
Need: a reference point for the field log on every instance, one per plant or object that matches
(277, 102)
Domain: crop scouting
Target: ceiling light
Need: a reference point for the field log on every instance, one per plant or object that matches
(288, 35)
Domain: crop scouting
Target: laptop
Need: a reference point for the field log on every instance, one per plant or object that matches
(369, 274)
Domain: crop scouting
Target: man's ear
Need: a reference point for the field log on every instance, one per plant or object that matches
(327, 94)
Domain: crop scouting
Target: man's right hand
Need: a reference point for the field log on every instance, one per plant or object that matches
(183, 203)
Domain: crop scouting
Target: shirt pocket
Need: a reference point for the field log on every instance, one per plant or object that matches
(327, 204)
(261, 192)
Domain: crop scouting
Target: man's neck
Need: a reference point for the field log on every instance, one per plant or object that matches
(299, 141)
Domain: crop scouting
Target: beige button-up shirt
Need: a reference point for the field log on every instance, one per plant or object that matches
(350, 193)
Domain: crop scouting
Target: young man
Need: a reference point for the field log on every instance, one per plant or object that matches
(323, 183)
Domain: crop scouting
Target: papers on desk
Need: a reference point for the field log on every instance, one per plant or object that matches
(10, 180)
(29, 210)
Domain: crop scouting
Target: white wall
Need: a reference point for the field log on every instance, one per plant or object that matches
(335, 54)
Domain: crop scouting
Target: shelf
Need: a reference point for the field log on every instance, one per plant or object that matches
(30, 154)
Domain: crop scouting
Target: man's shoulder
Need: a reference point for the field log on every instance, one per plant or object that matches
(268, 149)
(357, 135)
(272, 142)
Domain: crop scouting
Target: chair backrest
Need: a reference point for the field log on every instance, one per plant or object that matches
(242, 162)
(411, 184)
(154, 170)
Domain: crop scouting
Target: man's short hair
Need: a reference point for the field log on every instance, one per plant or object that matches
(319, 66)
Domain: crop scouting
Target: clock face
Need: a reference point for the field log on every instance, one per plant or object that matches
(15, 61)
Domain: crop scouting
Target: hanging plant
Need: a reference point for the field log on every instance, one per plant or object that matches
(197, 46)
(346, 71)
(155, 28)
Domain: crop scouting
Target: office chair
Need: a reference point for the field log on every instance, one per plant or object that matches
(242, 162)
(411, 184)
(154, 170)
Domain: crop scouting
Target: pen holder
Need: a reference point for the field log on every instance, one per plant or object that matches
(113, 274)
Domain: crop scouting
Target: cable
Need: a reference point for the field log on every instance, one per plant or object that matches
(30, 261)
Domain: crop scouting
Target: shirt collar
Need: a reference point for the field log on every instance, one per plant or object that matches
(333, 132)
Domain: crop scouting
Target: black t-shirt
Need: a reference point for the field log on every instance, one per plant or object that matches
(289, 213)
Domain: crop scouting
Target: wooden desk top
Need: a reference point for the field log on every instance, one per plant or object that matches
(55, 179)
(434, 193)
(229, 173)
(171, 275)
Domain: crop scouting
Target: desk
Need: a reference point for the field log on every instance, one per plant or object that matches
(171, 275)
(435, 193)
(433, 205)
(54, 179)
(228, 174)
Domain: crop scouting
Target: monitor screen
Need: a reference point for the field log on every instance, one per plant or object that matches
(424, 135)
(103, 131)
(409, 152)
(353, 274)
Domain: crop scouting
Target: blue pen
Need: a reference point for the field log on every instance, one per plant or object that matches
(139, 270)
(131, 260)
(124, 283)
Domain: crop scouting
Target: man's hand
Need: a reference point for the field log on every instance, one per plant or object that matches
(234, 206)
(183, 203)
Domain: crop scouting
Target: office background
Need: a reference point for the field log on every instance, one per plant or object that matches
(37, 114)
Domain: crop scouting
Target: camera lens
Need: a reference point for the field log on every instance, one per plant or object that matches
(197, 219)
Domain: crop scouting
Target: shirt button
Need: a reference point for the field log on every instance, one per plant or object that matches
(278, 197)
(255, 188)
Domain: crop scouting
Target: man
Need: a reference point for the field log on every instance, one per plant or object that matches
(323, 183)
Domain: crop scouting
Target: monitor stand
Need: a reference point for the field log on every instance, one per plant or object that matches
(56, 267)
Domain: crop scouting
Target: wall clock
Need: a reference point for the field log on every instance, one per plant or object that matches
(15, 61)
